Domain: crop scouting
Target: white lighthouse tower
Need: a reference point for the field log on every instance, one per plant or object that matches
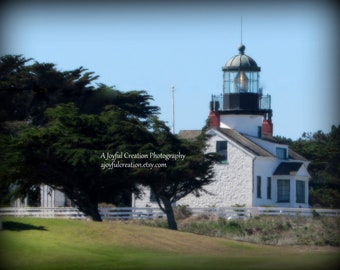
(242, 106)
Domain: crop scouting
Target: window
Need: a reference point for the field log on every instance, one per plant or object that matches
(281, 153)
(300, 191)
(269, 188)
(258, 187)
(259, 132)
(221, 148)
(283, 190)
(152, 196)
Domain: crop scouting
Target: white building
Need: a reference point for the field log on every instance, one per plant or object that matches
(48, 196)
(256, 170)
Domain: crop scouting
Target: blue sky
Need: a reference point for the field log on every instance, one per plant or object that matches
(143, 45)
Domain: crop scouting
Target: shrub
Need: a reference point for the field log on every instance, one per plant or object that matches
(182, 212)
(159, 222)
(270, 230)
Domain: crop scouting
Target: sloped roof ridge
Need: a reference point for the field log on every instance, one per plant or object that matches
(294, 155)
(244, 142)
(291, 153)
(288, 168)
(189, 133)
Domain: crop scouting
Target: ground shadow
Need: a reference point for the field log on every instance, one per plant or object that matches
(18, 226)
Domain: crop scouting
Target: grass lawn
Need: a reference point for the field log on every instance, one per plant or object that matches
(33, 243)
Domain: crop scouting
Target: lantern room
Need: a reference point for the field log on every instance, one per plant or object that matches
(241, 74)
(241, 91)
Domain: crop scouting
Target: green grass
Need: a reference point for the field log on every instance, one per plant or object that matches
(32, 243)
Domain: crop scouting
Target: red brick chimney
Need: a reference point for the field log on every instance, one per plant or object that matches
(267, 128)
(214, 119)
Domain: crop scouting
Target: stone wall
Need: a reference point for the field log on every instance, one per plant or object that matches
(233, 181)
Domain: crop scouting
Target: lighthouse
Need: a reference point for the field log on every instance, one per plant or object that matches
(241, 105)
(254, 168)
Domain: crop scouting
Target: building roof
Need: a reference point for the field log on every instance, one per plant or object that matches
(293, 155)
(244, 142)
(189, 134)
(241, 62)
(288, 168)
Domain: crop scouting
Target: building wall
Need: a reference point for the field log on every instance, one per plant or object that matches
(20, 203)
(51, 197)
(269, 146)
(292, 202)
(236, 181)
(144, 201)
(232, 185)
(233, 181)
(264, 168)
(247, 124)
(301, 175)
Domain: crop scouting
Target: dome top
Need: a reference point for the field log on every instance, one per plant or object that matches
(241, 62)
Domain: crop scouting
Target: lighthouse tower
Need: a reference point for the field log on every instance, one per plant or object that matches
(242, 105)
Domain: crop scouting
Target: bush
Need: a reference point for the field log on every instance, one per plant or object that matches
(159, 223)
(270, 230)
(182, 212)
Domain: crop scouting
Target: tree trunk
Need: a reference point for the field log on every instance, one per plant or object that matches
(89, 208)
(93, 212)
(169, 211)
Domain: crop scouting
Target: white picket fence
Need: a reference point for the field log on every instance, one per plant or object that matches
(74, 213)
(44, 212)
(151, 213)
(246, 212)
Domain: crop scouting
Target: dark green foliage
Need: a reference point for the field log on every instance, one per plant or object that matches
(27, 90)
(66, 154)
(58, 125)
(135, 102)
(60, 145)
(323, 150)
